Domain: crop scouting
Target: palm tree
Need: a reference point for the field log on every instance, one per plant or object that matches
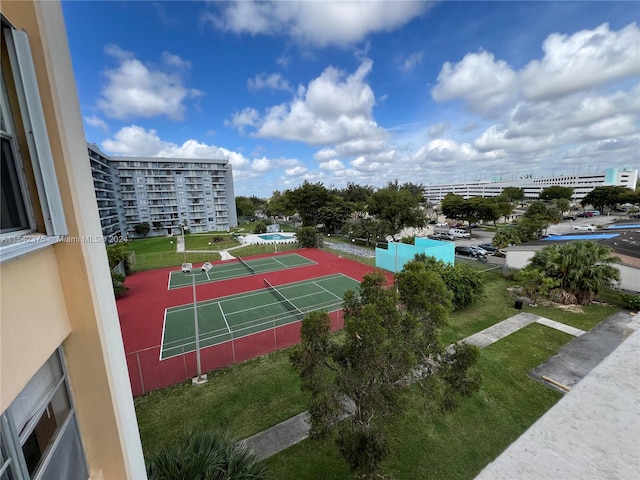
(582, 267)
(205, 455)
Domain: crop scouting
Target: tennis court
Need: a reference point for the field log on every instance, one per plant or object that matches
(241, 268)
(236, 316)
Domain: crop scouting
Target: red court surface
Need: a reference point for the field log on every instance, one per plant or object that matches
(142, 311)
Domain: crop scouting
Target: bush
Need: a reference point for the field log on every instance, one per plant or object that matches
(205, 455)
(632, 302)
(307, 236)
(261, 227)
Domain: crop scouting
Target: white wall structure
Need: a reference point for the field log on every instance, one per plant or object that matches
(581, 183)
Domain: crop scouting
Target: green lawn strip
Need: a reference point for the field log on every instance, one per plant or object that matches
(152, 261)
(262, 248)
(243, 400)
(152, 245)
(498, 305)
(427, 444)
(201, 241)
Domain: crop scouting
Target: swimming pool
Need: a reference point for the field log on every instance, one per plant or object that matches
(274, 236)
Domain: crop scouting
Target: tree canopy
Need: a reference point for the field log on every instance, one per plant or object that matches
(398, 206)
(607, 196)
(308, 199)
(360, 378)
(580, 268)
(555, 192)
(512, 194)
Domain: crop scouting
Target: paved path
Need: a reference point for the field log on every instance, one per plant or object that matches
(294, 430)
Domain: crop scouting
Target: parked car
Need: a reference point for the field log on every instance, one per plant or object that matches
(585, 228)
(459, 233)
(488, 247)
(569, 218)
(432, 222)
(585, 215)
(481, 252)
(443, 224)
(441, 236)
(467, 252)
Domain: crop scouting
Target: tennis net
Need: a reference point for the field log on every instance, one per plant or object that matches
(247, 266)
(299, 315)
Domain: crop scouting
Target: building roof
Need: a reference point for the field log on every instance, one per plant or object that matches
(624, 242)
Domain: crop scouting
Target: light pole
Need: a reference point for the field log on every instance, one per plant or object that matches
(200, 378)
(353, 243)
(209, 248)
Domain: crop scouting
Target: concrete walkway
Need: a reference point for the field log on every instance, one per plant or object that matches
(294, 430)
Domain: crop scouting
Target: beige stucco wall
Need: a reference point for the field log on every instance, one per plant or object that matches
(34, 319)
(78, 271)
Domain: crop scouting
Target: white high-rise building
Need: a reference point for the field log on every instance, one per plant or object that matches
(168, 193)
(581, 184)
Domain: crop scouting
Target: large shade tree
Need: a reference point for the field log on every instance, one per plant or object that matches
(356, 382)
(398, 206)
(607, 196)
(581, 268)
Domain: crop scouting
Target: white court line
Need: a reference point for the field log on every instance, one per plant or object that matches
(224, 317)
(164, 324)
(276, 260)
(317, 285)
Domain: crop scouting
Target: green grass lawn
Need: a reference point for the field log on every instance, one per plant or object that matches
(249, 397)
(218, 240)
(427, 444)
(242, 400)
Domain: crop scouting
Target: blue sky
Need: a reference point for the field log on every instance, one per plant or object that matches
(363, 92)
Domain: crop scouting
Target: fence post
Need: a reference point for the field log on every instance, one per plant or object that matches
(140, 372)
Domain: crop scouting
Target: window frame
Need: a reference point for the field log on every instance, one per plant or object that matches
(13, 440)
(22, 72)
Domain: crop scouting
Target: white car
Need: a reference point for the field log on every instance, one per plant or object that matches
(585, 228)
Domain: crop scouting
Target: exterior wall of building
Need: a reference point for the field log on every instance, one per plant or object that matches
(582, 185)
(172, 192)
(104, 186)
(61, 295)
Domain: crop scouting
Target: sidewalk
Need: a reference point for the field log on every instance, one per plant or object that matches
(286, 434)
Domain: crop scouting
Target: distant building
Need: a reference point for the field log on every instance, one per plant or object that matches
(582, 185)
(168, 193)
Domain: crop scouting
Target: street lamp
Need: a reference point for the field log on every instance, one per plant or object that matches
(209, 248)
(200, 378)
(353, 243)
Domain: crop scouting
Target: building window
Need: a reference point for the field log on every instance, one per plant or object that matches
(30, 202)
(39, 435)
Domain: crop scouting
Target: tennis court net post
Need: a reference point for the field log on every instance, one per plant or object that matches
(299, 315)
(247, 266)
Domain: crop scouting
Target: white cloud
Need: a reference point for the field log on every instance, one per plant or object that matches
(438, 129)
(136, 90)
(332, 165)
(246, 118)
(412, 61)
(175, 61)
(296, 171)
(96, 122)
(485, 84)
(273, 81)
(261, 164)
(335, 108)
(136, 141)
(316, 23)
(581, 61)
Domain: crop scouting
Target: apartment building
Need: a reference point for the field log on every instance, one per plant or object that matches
(582, 184)
(66, 409)
(168, 193)
(105, 188)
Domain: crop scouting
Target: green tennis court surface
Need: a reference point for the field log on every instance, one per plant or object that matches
(236, 316)
(237, 269)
